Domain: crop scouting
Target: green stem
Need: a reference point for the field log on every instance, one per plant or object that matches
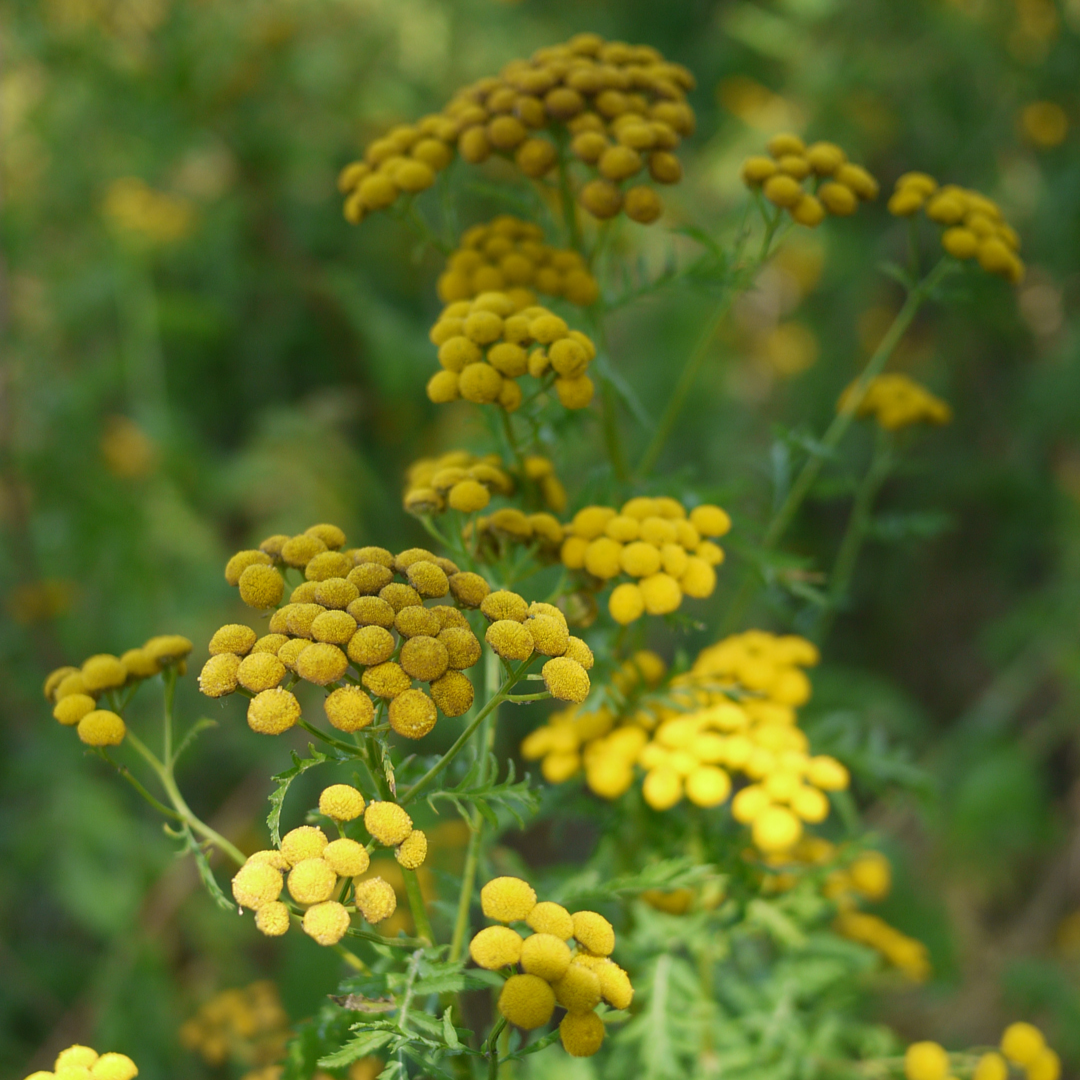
(566, 197)
(127, 774)
(336, 743)
(836, 430)
(700, 353)
(461, 741)
(476, 823)
(169, 676)
(511, 441)
(858, 524)
(493, 1048)
(416, 906)
(518, 698)
(164, 774)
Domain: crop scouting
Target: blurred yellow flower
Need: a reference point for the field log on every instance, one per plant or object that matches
(132, 206)
(1045, 123)
(128, 451)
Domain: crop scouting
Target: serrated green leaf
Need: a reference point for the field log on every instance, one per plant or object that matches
(284, 780)
(449, 1031)
(207, 874)
(363, 1045)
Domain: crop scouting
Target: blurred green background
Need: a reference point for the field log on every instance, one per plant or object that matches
(248, 364)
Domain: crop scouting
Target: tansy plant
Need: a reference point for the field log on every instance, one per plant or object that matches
(730, 876)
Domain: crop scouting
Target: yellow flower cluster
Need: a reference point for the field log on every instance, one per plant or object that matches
(358, 625)
(518, 631)
(136, 208)
(1022, 1045)
(690, 743)
(458, 480)
(74, 691)
(623, 108)
(243, 1024)
(83, 1063)
(654, 541)
(487, 344)
(896, 401)
(552, 973)
(508, 254)
(975, 228)
(837, 184)
(321, 872)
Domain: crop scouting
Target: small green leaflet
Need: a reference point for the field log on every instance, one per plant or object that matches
(363, 1045)
(490, 795)
(207, 875)
(284, 779)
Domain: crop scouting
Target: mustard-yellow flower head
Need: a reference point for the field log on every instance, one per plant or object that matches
(895, 402)
(809, 182)
(486, 344)
(509, 255)
(974, 226)
(622, 108)
(83, 1063)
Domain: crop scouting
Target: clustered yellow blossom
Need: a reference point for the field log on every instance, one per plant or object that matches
(357, 625)
(732, 712)
(508, 254)
(551, 971)
(243, 1024)
(487, 344)
(1022, 1045)
(458, 480)
(319, 873)
(975, 228)
(367, 1068)
(83, 1063)
(668, 553)
(836, 185)
(622, 107)
(75, 691)
(895, 401)
(136, 208)
(518, 631)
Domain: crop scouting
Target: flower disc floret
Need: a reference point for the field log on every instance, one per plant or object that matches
(326, 922)
(926, 1061)
(566, 679)
(412, 714)
(1022, 1043)
(261, 587)
(527, 1001)
(545, 955)
(341, 802)
(387, 823)
(272, 919)
(495, 947)
(507, 899)
(256, 884)
(375, 899)
(311, 881)
(305, 842)
(551, 918)
(273, 711)
(103, 672)
(412, 851)
(594, 932)
(101, 727)
(347, 858)
(578, 991)
(582, 1034)
(349, 709)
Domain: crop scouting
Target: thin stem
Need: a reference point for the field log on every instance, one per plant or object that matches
(169, 784)
(169, 676)
(476, 823)
(377, 939)
(336, 743)
(460, 742)
(836, 430)
(511, 440)
(858, 523)
(127, 774)
(493, 1048)
(700, 353)
(566, 197)
(518, 698)
(417, 907)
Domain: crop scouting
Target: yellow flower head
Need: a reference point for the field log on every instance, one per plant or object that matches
(622, 107)
(809, 182)
(895, 401)
(387, 822)
(375, 899)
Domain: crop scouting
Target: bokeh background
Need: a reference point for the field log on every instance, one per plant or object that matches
(199, 352)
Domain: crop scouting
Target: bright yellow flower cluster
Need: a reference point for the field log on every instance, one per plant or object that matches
(1022, 1045)
(321, 872)
(508, 254)
(243, 1024)
(357, 625)
(83, 1063)
(552, 973)
(732, 712)
(975, 228)
(487, 344)
(837, 185)
(458, 480)
(622, 106)
(74, 691)
(896, 401)
(518, 631)
(667, 552)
